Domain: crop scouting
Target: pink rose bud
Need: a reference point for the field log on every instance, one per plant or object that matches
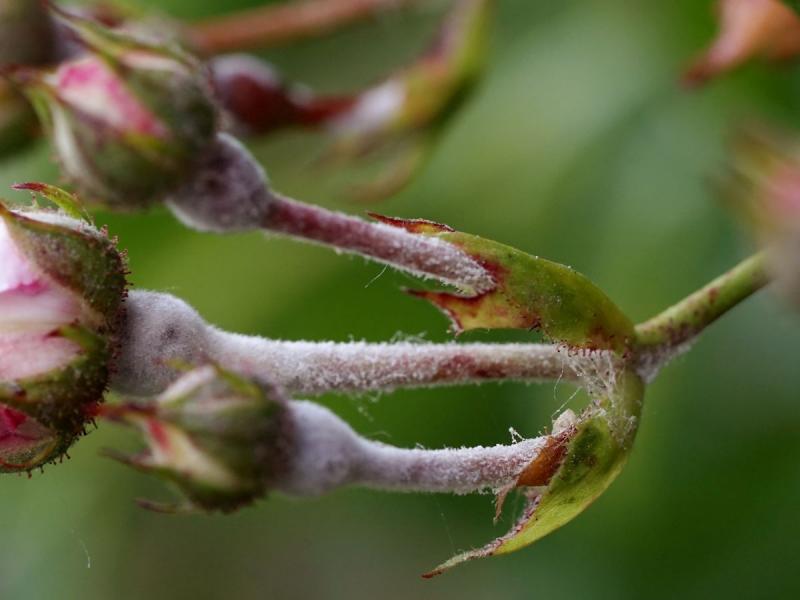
(748, 28)
(128, 117)
(61, 288)
(214, 435)
(765, 191)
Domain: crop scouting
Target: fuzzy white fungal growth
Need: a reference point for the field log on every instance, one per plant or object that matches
(162, 332)
(420, 255)
(227, 192)
(325, 453)
(320, 367)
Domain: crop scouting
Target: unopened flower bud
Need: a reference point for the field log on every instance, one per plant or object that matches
(61, 288)
(26, 33)
(748, 28)
(765, 189)
(214, 435)
(128, 118)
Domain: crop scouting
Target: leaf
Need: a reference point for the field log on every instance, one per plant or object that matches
(530, 293)
(598, 446)
(793, 4)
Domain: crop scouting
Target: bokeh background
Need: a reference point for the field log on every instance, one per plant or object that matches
(580, 146)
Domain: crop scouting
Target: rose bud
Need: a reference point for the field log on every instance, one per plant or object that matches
(764, 188)
(61, 288)
(26, 33)
(212, 434)
(748, 28)
(128, 117)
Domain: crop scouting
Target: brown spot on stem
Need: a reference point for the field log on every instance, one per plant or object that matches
(413, 225)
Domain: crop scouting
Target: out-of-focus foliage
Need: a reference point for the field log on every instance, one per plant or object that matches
(581, 147)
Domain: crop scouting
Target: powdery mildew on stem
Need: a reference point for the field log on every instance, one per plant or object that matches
(161, 330)
(325, 453)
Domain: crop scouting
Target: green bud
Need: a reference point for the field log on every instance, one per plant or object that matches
(127, 118)
(61, 288)
(212, 434)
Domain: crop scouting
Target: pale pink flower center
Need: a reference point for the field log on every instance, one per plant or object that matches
(92, 87)
(32, 309)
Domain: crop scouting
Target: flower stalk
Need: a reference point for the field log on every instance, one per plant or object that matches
(681, 323)
(162, 331)
(283, 23)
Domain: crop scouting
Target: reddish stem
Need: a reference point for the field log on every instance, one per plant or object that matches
(420, 255)
(277, 24)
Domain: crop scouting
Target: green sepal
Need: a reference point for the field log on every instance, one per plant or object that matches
(84, 262)
(62, 399)
(216, 441)
(529, 293)
(598, 448)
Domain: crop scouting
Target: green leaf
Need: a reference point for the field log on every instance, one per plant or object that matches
(530, 293)
(597, 448)
(793, 4)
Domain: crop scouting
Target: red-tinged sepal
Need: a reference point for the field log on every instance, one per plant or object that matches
(213, 435)
(62, 283)
(529, 293)
(128, 117)
(582, 459)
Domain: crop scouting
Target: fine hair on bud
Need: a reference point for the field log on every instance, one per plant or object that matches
(228, 191)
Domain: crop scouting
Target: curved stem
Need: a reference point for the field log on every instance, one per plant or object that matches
(324, 453)
(278, 24)
(321, 367)
(421, 255)
(680, 323)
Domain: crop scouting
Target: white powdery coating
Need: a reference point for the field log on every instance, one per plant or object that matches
(227, 192)
(432, 258)
(325, 453)
(320, 367)
(421, 255)
(160, 335)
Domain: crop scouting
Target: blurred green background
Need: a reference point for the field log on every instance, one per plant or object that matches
(580, 146)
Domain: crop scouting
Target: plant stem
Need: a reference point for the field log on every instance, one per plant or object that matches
(420, 255)
(161, 332)
(680, 323)
(321, 367)
(324, 453)
(278, 24)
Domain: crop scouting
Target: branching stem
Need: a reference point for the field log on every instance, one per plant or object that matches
(279, 24)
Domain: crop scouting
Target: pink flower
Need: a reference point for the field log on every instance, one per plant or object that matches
(32, 309)
(61, 288)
